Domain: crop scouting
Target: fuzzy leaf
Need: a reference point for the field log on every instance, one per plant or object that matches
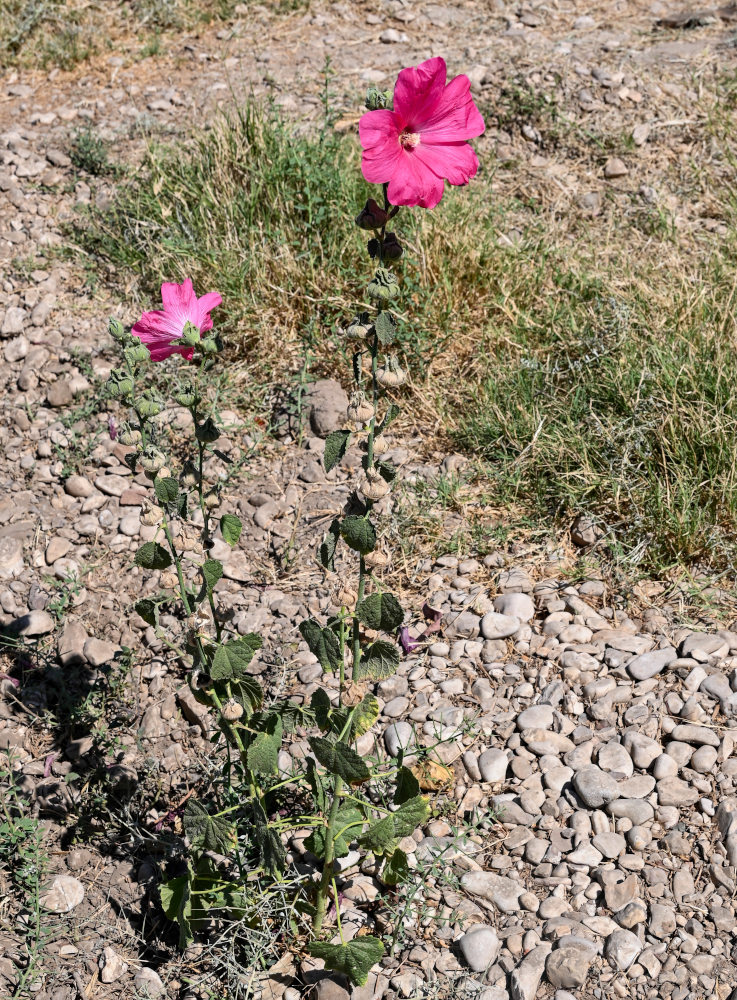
(397, 869)
(380, 612)
(379, 660)
(151, 555)
(148, 610)
(341, 760)
(336, 444)
(359, 534)
(328, 546)
(230, 528)
(407, 786)
(346, 830)
(365, 715)
(209, 833)
(387, 471)
(355, 959)
(263, 752)
(166, 490)
(316, 786)
(176, 902)
(212, 571)
(386, 328)
(232, 658)
(381, 837)
(320, 704)
(392, 412)
(323, 643)
(248, 693)
(268, 842)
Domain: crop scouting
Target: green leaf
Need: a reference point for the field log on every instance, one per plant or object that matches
(341, 760)
(392, 412)
(231, 527)
(397, 868)
(151, 555)
(358, 533)
(209, 833)
(212, 571)
(232, 658)
(262, 753)
(248, 693)
(336, 444)
(176, 902)
(407, 786)
(316, 786)
(148, 610)
(323, 643)
(380, 838)
(365, 715)
(347, 821)
(166, 490)
(328, 546)
(387, 471)
(386, 328)
(379, 660)
(355, 959)
(320, 704)
(268, 842)
(380, 612)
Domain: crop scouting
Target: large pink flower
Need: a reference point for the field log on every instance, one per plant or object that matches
(424, 140)
(159, 328)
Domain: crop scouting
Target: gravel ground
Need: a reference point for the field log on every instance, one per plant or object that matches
(585, 842)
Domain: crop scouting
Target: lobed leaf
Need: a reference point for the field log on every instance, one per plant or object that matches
(206, 832)
(379, 660)
(230, 528)
(151, 555)
(232, 658)
(358, 533)
(323, 643)
(339, 759)
(355, 959)
(380, 612)
(166, 490)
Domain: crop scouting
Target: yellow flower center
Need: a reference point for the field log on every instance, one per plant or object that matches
(408, 140)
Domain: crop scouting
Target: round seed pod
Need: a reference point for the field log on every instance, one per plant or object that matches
(373, 486)
(346, 597)
(212, 499)
(391, 376)
(231, 710)
(150, 513)
(359, 408)
(381, 445)
(376, 559)
(152, 461)
(128, 435)
(168, 580)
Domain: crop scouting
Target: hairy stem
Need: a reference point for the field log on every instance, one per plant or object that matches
(327, 870)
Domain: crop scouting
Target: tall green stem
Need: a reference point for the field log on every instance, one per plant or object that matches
(327, 870)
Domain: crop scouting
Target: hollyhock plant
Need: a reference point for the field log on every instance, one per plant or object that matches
(160, 329)
(423, 141)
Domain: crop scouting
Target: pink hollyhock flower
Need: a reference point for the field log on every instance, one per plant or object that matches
(424, 140)
(159, 328)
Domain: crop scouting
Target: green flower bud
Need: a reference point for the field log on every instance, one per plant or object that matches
(115, 329)
(377, 99)
(149, 405)
(371, 216)
(152, 460)
(209, 346)
(186, 395)
(190, 335)
(128, 435)
(136, 353)
(119, 383)
(207, 432)
(384, 285)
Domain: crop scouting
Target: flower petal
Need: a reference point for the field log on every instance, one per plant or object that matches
(456, 162)
(159, 323)
(178, 298)
(418, 90)
(455, 117)
(204, 304)
(414, 183)
(379, 133)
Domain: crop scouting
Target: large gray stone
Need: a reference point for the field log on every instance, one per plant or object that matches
(328, 405)
(595, 788)
(503, 892)
(525, 979)
(480, 947)
(649, 664)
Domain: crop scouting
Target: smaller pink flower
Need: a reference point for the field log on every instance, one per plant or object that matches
(158, 329)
